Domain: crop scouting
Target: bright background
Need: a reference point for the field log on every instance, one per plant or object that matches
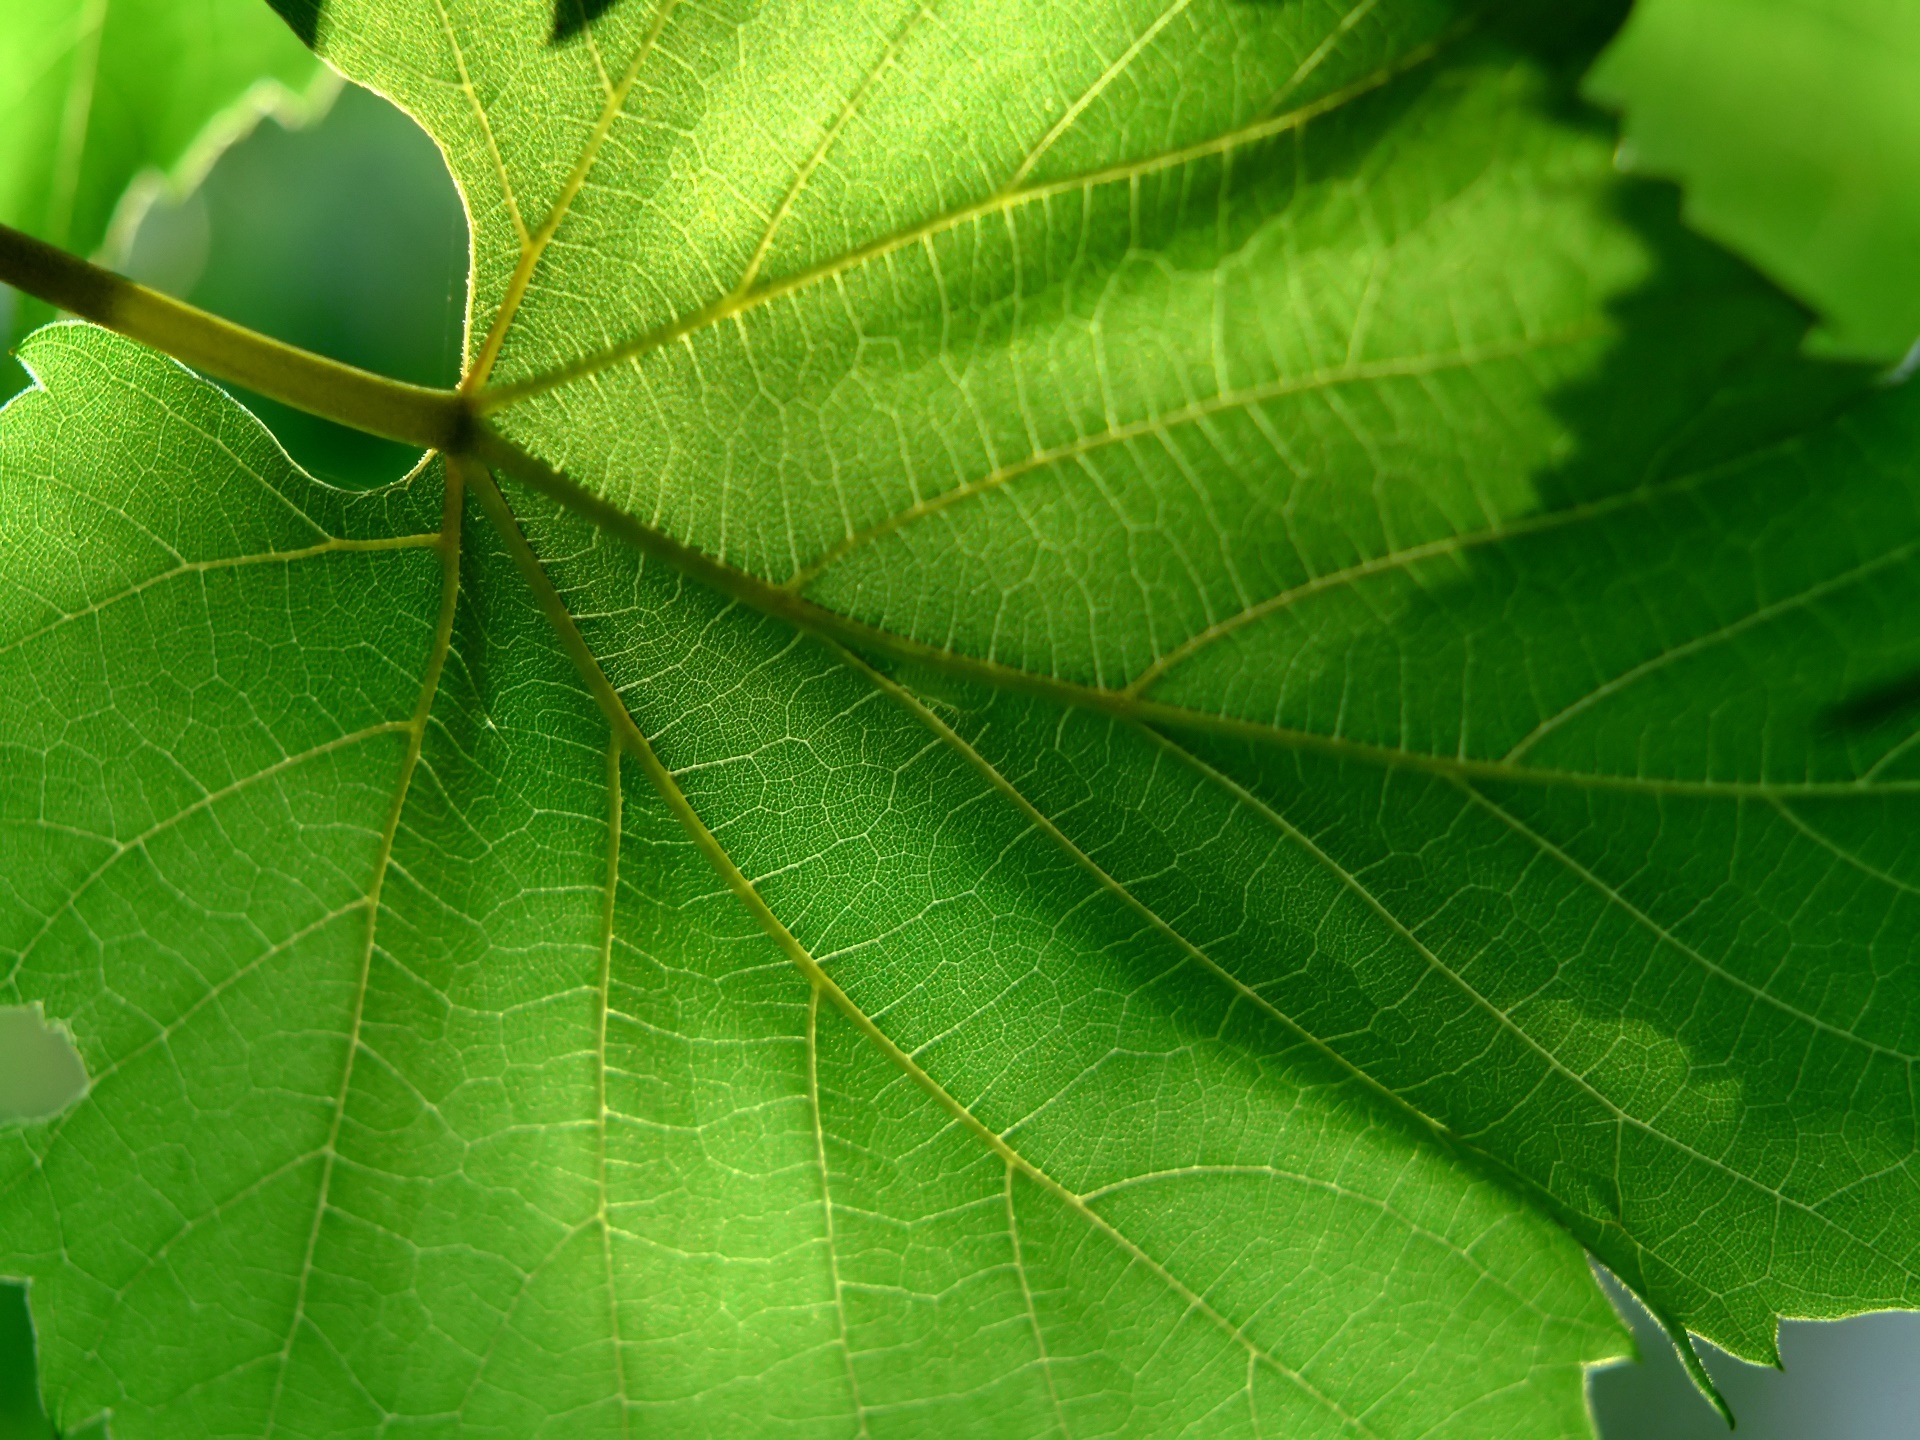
(348, 239)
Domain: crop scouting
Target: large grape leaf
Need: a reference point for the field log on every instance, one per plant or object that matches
(1155, 698)
(565, 1144)
(1795, 128)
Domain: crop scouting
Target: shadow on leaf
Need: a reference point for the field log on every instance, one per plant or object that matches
(1874, 706)
(571, 17)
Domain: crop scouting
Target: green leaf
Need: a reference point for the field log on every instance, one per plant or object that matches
(1793, 126)
(567, 1130)
(1157, 701)
(98, 94)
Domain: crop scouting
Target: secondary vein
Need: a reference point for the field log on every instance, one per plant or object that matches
(493, 399)
(451, 512)
(1409, 367)
(534, 246)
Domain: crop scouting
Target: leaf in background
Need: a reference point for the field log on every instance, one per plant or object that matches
(1795, 129)
(1201, 729)
(95, 96)
(360, 208)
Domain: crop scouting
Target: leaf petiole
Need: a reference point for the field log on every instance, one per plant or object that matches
(414, 414)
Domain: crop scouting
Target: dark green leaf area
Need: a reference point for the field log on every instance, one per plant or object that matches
(302, 17)
(1725, 615)
(20, 1414)
(1634, 922)
(572, 17)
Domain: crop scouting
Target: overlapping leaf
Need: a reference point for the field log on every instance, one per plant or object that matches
(1220, 698)
(1793, 126)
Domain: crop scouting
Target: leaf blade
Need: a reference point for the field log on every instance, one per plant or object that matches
(1443, 923)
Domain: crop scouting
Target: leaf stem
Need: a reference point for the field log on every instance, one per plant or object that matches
(414, 414)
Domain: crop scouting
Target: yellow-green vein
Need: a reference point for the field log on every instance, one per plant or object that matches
(204, 802)
(452, 508)
(533, 246)
(826, 1207)
(495, 398)
(1033, 1313)
(603, 1005)
(826, 143)
(234, 562)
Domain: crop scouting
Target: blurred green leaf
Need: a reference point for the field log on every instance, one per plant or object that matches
(107, 106)
(1794, 126)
